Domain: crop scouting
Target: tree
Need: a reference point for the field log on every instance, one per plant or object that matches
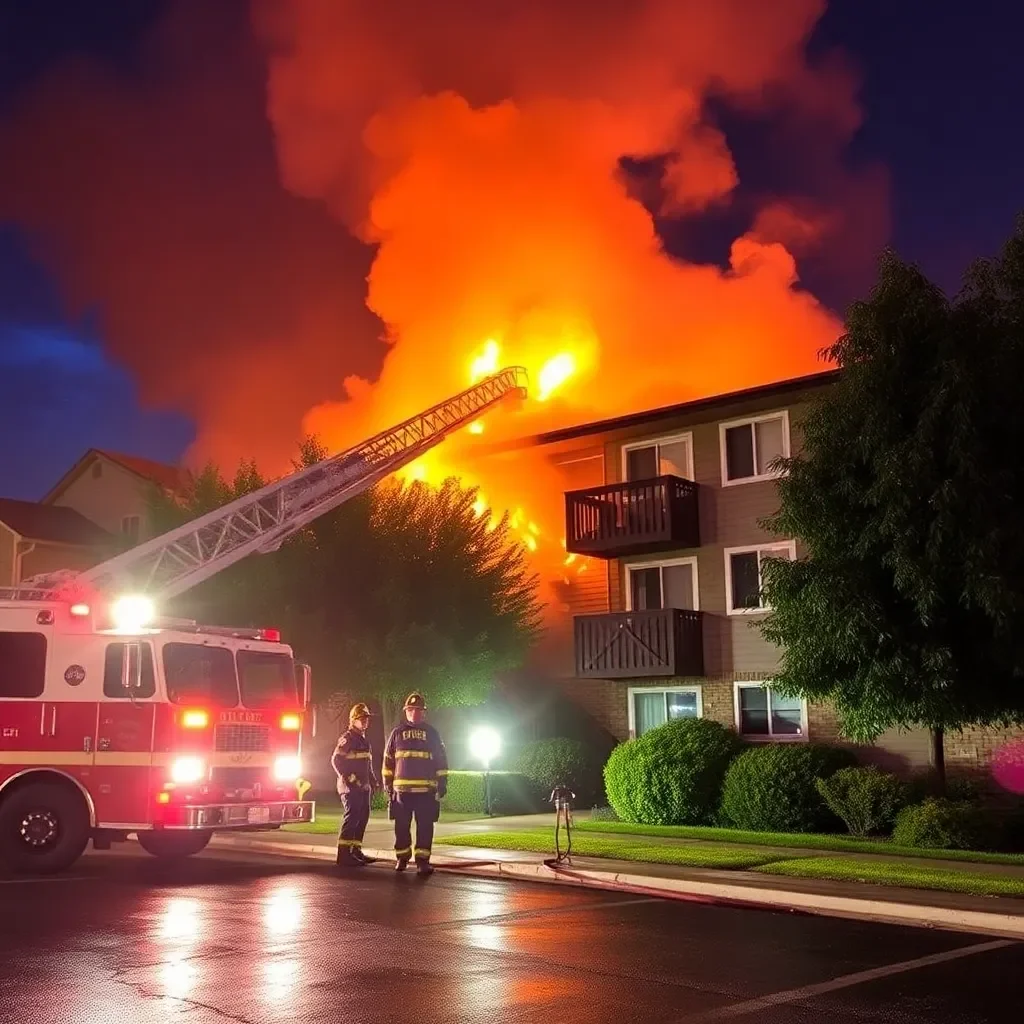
(907, 496)
(403, 587)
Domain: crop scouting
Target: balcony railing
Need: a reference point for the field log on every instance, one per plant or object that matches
(633, 518)
(638, 645)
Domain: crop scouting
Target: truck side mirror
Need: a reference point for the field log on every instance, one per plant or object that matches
(131, 666)
(304, 683)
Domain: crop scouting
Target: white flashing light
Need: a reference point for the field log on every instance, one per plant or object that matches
(484, 745)
(287, 769)
(132, 613)
(80, 610)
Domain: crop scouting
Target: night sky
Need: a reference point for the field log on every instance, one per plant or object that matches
(943, 85)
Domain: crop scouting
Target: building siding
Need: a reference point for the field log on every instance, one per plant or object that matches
(8, 556)
(109, 498)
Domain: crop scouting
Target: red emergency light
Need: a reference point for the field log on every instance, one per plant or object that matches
(270, 635)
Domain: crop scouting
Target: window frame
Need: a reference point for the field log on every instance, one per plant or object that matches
(749, 684)
(144, 645)
(744, 549)
(650, 442)
(46, 639)
(690, 560)
(688, 688)
(125, 521)
(751, 421)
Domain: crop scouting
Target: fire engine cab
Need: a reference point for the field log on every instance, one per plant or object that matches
(115, 721)
(169, 730)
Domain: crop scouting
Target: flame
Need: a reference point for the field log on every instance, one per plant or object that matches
(486, 363)
(555, 372)
(476, 427)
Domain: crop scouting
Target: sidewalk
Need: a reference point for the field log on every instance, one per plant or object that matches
(927, 908)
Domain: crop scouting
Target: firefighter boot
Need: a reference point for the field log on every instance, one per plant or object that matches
(423, 868)
(347, 859)
(357, 852)
(401, 863)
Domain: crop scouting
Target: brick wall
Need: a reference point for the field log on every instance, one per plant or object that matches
(973, 749)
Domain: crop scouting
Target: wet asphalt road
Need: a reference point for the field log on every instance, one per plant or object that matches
(234, 938)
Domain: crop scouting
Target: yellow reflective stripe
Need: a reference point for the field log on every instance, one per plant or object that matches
(350, 842)
(403, 853)
(415, 782)
(422, 853)
(363, 756)
(387, 771)
(414, 753)
(442, 771)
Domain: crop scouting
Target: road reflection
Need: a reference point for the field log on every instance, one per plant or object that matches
(283, 911)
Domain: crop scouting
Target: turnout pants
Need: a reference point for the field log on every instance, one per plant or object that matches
(356, 805)
(422, 807)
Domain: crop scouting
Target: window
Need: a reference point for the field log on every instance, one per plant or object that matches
(743, 575)
(112, 673)
(760, 711)
(650, 708)
(664, 585)
(267, 679)
(750, 446)
(97, 469)
(200, 674)
(130, 527)
(22, 664)
(668, 456)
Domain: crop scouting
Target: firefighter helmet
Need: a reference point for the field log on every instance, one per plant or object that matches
(415, 700)
(358, 711)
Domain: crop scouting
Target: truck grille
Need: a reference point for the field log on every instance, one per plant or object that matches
(232, 778)
(248, 738)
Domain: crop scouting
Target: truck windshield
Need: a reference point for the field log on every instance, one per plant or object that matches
(267, 679)
(200, 674)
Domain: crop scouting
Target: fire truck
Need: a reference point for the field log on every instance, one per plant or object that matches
(116, 721)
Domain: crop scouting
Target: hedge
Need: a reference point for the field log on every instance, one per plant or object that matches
(941, 824)
(511, 793)
(562, 761)
(772, 788)
(671, 775)
(866, 799)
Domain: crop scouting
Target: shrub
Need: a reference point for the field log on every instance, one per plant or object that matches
(561, 761)
(510, 793)
(940, 824)
(867, 800)
(671, 775)
(772, 787)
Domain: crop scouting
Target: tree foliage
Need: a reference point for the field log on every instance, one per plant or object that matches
(907, 496)
(402, 587)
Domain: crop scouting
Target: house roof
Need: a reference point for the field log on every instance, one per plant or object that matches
(785, 387)
(172, 478)
(53, 524)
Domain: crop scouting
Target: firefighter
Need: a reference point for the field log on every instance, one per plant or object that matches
(353, 764)
(416, 778)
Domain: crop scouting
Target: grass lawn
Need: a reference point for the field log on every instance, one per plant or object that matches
(328, 821)
(909, 876)
(541, 841)
(793, 840)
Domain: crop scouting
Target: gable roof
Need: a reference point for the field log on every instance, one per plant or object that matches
(171, 478)
(53, 524)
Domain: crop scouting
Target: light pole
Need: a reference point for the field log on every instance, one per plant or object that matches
(485, 745)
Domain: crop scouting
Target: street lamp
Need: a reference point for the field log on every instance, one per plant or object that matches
(485, 745)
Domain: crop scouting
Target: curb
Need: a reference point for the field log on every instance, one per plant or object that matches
(689, 890)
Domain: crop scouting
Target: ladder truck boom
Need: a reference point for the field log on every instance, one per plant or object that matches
(174, 562)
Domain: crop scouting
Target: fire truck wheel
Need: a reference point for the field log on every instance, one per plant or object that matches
(173, 845)
(44, 828)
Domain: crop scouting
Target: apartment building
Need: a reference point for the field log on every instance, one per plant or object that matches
(667, 504)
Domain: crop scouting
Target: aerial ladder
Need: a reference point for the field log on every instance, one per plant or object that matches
(174, 562)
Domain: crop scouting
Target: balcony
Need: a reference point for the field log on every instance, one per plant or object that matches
(639, 645)
(634, 518)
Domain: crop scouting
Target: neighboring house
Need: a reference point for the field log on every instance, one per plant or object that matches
(668, 503)
(37, 539)
(113, 490)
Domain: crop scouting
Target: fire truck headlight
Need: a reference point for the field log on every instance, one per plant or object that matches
(287, 769)
(187, 769)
